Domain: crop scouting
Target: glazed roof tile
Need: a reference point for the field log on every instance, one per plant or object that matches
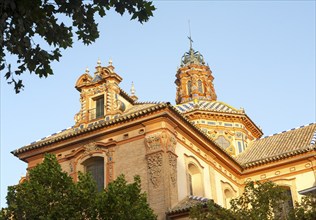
(279, 146)
(187, 203)
(215, 106)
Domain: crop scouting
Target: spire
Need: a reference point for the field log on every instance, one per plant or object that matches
(98, 67)
(192, 57)
(97, 74)
(133, 89)
(110, 66)
(190, 37)
(133, 92)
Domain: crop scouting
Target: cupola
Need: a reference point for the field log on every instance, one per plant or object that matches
(229, 127)
(194, 78)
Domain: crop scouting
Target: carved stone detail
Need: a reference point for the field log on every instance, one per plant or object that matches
(173, 168)
(171, 144)
(109, 167)
(94, 90)
(154, 162)
(90, 147)
(71, 167)
(161, 141)
(153, 142)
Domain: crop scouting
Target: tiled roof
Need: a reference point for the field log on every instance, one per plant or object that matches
(187, 203)
(126, 96)
(138, 106)
(279, 146)
(137, 110)
(215, 106)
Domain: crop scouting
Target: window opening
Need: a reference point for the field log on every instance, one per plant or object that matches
(189, 87)
(239, 147)
(95, 166)
(99, 107)
(285, 206)
(190, 185)
(228, 197)
(195, 180)
(200, 86)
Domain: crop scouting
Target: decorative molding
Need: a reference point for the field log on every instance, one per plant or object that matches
(193, 160)
(110, 171)
(90, 147)
(173, 168)
(308, 165)
(209, 158)
(153, 142)
(161, 141)
(71, 167)
(154, 162)
(228, 185)
(94, 90)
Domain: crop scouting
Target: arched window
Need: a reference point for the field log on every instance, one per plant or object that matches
(200, 86)
(228, 195)
(195, 180)
(286, 206)
(189, 87)
(95, 166)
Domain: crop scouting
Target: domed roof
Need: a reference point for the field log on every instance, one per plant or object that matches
(213, 106)
(192, 57)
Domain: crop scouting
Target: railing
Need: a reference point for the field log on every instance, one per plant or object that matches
(95, 113)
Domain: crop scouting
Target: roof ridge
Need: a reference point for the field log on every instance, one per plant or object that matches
(313, 140)
(53, 134)
(149, 102)
(292, 129)
(227, 105)
(127, 96)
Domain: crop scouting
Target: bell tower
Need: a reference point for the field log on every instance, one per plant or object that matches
(194, 78)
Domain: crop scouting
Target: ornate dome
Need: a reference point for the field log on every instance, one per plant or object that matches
(192, 57)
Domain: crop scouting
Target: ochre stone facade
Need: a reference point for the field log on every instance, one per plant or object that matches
(200, 147)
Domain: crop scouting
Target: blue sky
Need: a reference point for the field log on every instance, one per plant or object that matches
(262, 54)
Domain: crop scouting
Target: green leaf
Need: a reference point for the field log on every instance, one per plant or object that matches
(43, 18)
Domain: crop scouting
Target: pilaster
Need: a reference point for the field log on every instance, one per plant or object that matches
(162, 171)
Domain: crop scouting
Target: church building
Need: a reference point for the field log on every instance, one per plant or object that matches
(199, 149)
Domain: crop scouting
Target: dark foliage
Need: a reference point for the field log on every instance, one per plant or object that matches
(50, 193)
(23, 23)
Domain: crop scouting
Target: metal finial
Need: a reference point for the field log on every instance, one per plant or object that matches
(110, 62)
(133, 89)
(99, 62)
(87, 70)
(190, 38)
